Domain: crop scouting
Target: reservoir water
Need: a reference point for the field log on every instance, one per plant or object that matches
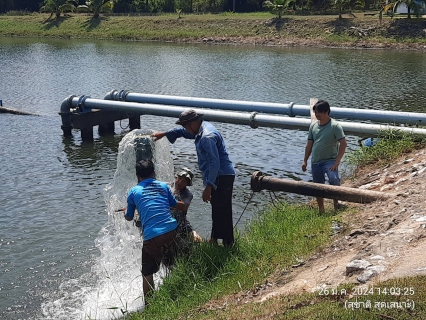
(56, 254)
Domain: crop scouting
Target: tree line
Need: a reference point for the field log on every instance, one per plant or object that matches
(279, 7)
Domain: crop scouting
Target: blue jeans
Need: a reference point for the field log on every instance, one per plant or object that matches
(319, 170)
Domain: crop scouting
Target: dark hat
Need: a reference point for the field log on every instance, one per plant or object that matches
(188, 116)
(187, 173)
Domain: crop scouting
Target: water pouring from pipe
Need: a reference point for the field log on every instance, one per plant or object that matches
(113, 288)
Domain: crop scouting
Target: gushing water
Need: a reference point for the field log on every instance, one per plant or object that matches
(114, 286)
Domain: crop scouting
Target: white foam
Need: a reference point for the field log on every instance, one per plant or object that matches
(114, 286)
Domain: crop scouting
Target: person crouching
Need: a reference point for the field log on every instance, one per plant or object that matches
(153, 200)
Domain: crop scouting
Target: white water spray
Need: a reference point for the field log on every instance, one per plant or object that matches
(118, 279)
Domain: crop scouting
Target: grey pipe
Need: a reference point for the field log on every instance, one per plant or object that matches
(85, 104)
(65, 113)
(289, 109)
(260, 181)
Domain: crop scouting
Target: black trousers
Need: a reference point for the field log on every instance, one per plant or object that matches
(221, 201)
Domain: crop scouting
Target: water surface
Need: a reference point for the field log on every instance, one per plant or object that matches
(54, 215)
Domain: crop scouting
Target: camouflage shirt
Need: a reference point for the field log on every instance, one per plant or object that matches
(184, 227)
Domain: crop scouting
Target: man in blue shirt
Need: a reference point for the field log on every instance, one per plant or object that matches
(217, 170)
(152, 199)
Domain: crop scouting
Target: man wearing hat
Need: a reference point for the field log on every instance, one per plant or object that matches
(217, 170)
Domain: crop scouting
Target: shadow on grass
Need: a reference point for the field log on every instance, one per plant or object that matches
(340, 26)
(54, 22)
(404, 27)
(278, 23)
(93, 23)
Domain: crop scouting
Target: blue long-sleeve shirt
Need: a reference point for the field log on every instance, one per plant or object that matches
(213, 159)
(153, 200)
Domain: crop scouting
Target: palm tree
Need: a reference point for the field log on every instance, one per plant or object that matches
(415, 5)
(342, 5)
(57, 7)
(277, 7)
(97, 6)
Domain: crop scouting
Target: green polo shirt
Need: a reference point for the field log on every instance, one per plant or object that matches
(325, 139)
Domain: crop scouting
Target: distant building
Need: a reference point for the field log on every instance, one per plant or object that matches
(403, 9)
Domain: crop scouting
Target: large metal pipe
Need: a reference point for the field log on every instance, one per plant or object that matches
(290, 109)
(66, 115)
(261, 182)
(85, 104)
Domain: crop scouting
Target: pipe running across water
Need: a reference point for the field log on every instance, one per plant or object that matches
(84, 104)
(289, 109)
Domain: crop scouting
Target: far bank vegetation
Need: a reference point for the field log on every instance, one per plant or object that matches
(58, 8)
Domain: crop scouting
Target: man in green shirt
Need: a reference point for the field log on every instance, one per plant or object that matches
(327, 144)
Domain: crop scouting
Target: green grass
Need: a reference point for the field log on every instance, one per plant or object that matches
(165, 27)
(336, 305)
(390, 146)
(259, 28)
(205, 284)
(275, 240)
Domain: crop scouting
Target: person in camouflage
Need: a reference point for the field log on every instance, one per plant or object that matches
(186, 235)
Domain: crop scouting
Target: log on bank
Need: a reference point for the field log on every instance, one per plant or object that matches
(261, 182)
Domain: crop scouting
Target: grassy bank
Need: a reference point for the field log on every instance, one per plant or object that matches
(278, 239)
(255, 28)
(215, 282)
(345, 303)
(388, 146)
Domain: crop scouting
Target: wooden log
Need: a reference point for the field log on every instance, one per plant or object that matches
(261, 182)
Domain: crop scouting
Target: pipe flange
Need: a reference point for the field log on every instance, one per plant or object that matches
(290, 110)
(81, 108)
(111, 95)
(252, 120)
(122, 95)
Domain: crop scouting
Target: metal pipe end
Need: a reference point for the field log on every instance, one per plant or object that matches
(256, 177)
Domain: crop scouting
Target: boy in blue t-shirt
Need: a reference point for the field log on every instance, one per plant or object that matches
(152, 199)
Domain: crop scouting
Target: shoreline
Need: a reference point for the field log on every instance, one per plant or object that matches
(303, 43)
(350, 32)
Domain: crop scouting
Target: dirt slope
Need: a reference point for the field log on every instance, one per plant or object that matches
(390, 235)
